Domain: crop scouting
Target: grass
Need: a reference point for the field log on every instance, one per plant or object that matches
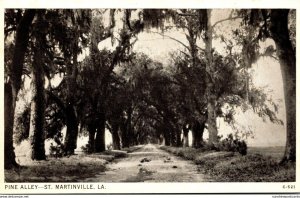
(66, 169)
(275, 152)
(259, 165)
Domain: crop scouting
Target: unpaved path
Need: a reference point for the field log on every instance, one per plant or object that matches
(150, 164)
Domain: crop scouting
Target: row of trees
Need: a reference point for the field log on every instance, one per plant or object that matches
(136, 98)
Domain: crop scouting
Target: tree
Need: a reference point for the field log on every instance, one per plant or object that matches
(190, 75)
(15, 68)
(211, 96)
(80, 20)
(223, 75)
(284, 48)
(157, 91)
(275, 24)
(36, 133)
(101, 64)
(66, 36)
(185, 138)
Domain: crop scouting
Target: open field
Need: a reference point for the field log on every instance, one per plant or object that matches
(275, 152)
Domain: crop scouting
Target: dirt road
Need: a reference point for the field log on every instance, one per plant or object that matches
(149, 164)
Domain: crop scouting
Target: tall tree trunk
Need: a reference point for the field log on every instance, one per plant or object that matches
(115, 136)
(287, 59)
(161, 139)
(172, 136)
(100, 136)
(70, 143)
(167, 137)
(92, 132)
(210, 95)
(135, 138)
(37, 115)
(211, 120)
(71, 115)
(247, 59)
(13, 86)
(185, 141)
(178, 138)
(9, 102)
(197, 131)
(127, 129)
(125, 136)
(194, 137)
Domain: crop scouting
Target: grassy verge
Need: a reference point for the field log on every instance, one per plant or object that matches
(66, 169)
(233, 167)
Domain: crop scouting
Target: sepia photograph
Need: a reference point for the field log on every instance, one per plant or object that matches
(99, 96)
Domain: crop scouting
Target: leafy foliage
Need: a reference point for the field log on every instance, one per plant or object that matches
(233, 144)
(143, 99)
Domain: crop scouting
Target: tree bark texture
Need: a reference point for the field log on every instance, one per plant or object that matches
(70, 143)
(197, 132)
(167, 137)
(71, 115)
(280, 34)
(210, 95)
(185, 141)
(37, 115)
(9, 102)
(13, 86)
(127, 129)
(100, 136)
(92, 132)
(116, 137)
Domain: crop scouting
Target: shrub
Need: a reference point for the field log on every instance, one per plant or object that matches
(233, 145)
(56, 150)
(230, 144)
(211, 146)
(242, 147)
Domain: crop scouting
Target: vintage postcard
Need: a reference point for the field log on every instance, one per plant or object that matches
(149, 97)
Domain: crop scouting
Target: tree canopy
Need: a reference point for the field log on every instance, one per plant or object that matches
(139, 99)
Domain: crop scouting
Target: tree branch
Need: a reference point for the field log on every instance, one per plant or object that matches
(57, 100)
(227, 19)
(171, 39)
